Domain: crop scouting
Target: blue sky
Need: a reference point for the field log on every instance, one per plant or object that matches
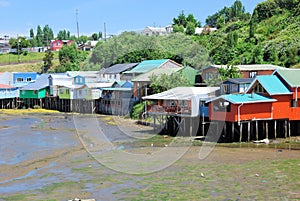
(19, 16)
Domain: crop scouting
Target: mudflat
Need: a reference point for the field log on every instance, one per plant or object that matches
(60, 157)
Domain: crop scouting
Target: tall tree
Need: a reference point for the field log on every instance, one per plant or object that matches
(31, 33)
(39, 36)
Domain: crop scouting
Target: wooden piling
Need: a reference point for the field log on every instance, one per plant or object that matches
(241, 131)
(249, 131)
(232, 131)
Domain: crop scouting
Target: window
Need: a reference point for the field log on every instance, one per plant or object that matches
(28, 79)
(294, 103)
(259, 89)
(19, 79)
(252, 74)
(61, 91)
(221, 106)
(67, 91)
(34, 92)
(225, 89)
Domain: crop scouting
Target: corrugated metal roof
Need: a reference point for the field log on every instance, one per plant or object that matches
(252, 67)
(240, 80)
(271, 84)
(146, 66)
(82, 73)
(145, 77)
(183, 93)
(291, 76)
(116, 89)
(99, 84)
(5, 86)
(244, 98)
(41, 82)
(118, 68)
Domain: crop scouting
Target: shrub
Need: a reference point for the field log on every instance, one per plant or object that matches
(36, 107)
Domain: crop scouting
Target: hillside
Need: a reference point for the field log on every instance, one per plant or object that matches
(271, 35)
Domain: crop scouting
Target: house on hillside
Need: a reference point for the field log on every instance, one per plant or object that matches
(115, 72)
(247, 71)
(157, 31)
(56, 45)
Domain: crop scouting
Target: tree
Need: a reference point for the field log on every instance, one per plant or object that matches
(229, 71)
(165, 82)
(180, 20)
(190, 28)
(253, 24)
(95, 36)
(39, 36)
(47, 61)
(47, 35)
(178, 28)
(132, 46)
(31, 33)
(63, 35)
(257, 54)
(70, 58)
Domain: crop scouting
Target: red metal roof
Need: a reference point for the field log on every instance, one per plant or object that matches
(5, 86)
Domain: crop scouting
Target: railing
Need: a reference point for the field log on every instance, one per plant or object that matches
(169, 109)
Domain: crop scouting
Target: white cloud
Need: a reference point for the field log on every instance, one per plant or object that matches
(4, 3)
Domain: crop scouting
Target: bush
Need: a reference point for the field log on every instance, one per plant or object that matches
(137, 110)
(36, 107)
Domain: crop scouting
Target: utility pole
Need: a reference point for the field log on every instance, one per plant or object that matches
(18, 48)
(77, 24)
(104, 31)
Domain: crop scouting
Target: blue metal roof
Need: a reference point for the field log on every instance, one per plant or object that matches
(272, 85)
(41, 82)
(146, 66)
(244, 98)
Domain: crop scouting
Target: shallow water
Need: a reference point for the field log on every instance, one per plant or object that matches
(23, 138)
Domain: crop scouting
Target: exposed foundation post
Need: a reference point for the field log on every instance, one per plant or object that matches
(256, 129)
(241, 132)
(285, 128)
(289, 124)
(275, 128)
(249, 131)
(225, 129)
(232, 131)
(267, 130)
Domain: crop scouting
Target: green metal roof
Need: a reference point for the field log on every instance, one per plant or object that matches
(244, 98)
(272, 85)
(291, 76)
(145, 77)
(146, 66)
